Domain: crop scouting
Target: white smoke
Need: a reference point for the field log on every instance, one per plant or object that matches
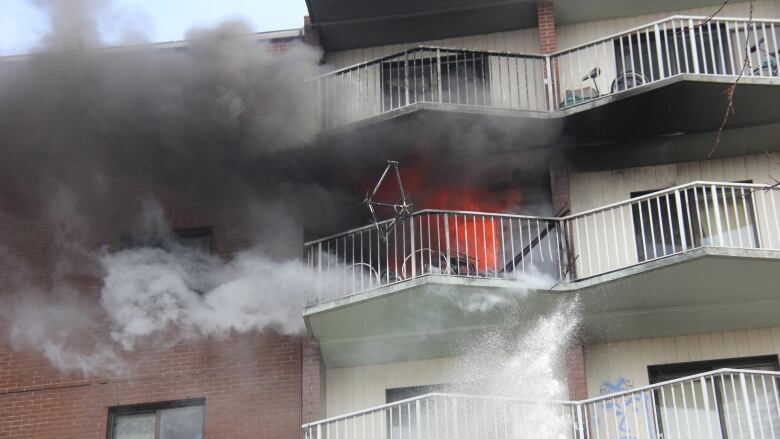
(186, 293)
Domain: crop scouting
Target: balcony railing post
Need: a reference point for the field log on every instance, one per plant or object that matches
(550, 79)
(705, 395)
(413, 254)
(746, 400)
(418, 418)
(438, 80)
(659, 53)
(406, 79)
(580, 425)
(694, 49)
(716, 207)
(319, 273)
(680, 222)
(447, 242)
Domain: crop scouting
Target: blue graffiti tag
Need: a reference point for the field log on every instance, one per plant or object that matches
(622, 407)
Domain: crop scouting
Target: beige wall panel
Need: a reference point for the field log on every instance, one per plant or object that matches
(607, 363)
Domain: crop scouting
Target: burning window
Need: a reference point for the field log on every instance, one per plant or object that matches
(169, 420)
(415, 78)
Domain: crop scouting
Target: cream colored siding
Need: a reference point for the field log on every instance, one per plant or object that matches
(594, 189)
(354, 388)
(581, 33)
(611, 362)
(517, 41)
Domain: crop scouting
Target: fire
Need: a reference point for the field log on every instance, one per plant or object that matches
(474, 239)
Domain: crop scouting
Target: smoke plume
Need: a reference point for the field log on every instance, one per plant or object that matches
(105, 150)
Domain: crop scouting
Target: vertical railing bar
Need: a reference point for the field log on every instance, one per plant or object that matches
(710, 38)
(726, 215)
(746, 400)
(768, 408)
(668, 70)
(476, 245)
(700, 31)
(758, 405)
(716, 206)
(649, 53)
(652, 228)
(685, 407)
(736, 402)
(680, 221)
(632, 60)
(661, 224)
(587, 244)
(520, 233)
(705, 197)
(530, 243)
(671, 223)
(539, 242)
(730, 51)
(512, 246)
(503, 244)
(705, 396)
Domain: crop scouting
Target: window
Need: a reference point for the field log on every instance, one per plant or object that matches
(402, 420)
(724, 398)
(464, 79)
(710, 216)
(169, 420)
(199, 238)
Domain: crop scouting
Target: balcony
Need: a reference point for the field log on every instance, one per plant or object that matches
(695, 258)
(670, 63)
(724, 403)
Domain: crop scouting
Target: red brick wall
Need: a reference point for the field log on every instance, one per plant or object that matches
(575, 371)
(548, 40)
(251, 385)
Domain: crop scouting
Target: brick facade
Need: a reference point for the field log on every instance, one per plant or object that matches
(545, 13)
(575, 371)
(255, 385)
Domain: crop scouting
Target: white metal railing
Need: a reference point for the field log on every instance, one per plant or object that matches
(640, 56)
(570, 248)
(430, 74)
(673, 221)
(449, 243)
(727, 403)
(673, 46)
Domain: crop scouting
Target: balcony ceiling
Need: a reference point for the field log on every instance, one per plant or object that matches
(347, 24)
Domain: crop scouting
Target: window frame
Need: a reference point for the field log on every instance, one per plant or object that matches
(156, 408)
(659, 373)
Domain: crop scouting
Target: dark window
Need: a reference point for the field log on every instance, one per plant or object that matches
(719, 217)
(200, 238)
(464, 79)
(402, 419)
(724, 398)
(168, 420)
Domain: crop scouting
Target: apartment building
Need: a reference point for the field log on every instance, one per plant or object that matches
(592, 251)
(649, 201)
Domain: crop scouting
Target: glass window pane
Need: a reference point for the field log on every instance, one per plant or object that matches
(182, 423)
(134, 426)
